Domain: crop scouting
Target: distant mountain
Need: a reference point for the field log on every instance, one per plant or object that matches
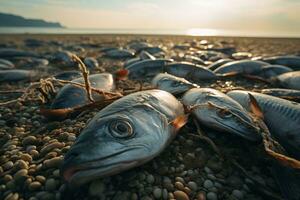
(9, 20)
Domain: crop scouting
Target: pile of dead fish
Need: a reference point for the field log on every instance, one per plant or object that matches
(137, 127)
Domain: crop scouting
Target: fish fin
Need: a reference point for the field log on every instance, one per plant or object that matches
(122, 74)
(288, 180)
(179, 121)
(255, 108)
(56, 114)
(229, 74)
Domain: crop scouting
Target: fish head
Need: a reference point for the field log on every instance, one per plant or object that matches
(229, 119)
(114, 142)
(172, 84)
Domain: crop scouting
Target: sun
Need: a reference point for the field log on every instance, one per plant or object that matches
(201, 32)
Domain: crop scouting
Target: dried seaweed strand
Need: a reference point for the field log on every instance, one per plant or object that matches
(85, 74)
(206, 139)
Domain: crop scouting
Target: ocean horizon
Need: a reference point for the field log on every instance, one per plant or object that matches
(186, 32)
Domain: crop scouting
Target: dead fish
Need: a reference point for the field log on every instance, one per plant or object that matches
(218, 111)
(70, 96)
(139, 46)
(68, 75)
(30, 62)
(173, 84)
(14, 75)
(123, 135)
(146, 55)
(10, 53)
(189, 71)
(153, 50)
(289, 61)
(219, 63)
(288, 94)
(6, 64)
(193, 59)
(120, 53)
(64, 57)
(91, 63)
(241, 67)
(289, 80)
(210, 55)
(270, 71)
(281, 116)
(147, 68)
(30, 42)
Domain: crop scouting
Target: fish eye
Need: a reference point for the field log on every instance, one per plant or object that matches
(224, 113)
(175, 84)
(121, 129)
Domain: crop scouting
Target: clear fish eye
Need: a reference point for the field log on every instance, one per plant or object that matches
(225, 113)
(121, 129)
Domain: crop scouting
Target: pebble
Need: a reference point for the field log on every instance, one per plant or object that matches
(96, 188)
(192, 185)
(21, 174)
(157, 193)
(35, 185)
(179, 195)
(150, 179)
(29, 140)
(179, 185)
(50, 184)
(238, 194)
(53, 162)
(12, 196)
(211, 196)
(208, 184)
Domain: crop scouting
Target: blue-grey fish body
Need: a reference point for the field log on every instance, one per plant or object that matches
(120, 53)
(147, 68)
(218, 111)
(173, 84)
(71, 96)
(289, 94)
(64, 57)
(14, 75)
(281, 116)
(270, 71)
(219, 63)
(289, 80)
(68, 75)
(189, 71)
(11, 53)
(146, 55)
(289, 61)
(194, 59)
(91, 63)
(123, 135)
(241, 67)
(6, 64)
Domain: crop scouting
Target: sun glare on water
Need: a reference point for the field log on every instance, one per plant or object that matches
(201, 32)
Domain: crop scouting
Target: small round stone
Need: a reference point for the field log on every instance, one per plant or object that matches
(35, 185)
(208, 184)
(150, 179)
(157, 193)
(192, 185)
(96, 188)
(179, 185)
(21, 174)
(238, 194)
(12, 196)
(50, 184)
(40, 179)
(179, 195)
(211, 196)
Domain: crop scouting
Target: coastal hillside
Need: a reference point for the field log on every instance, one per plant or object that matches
(10, 20)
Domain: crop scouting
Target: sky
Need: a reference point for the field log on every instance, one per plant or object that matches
(246, 15)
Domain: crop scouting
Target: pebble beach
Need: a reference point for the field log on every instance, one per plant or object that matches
(33, 147)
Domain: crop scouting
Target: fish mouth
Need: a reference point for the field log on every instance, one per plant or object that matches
(250, 134)
(79, 174)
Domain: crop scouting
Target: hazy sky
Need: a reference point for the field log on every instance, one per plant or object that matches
(260, 15)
